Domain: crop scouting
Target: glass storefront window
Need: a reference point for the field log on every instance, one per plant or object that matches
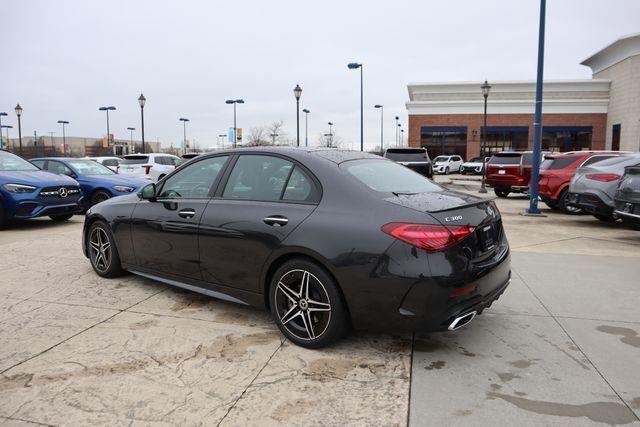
(506, 138)
(566, 138)
(444, 140)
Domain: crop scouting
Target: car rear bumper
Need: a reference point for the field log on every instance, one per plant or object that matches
(627, 210)
(590, 203)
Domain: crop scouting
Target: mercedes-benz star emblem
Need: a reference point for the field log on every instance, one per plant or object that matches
(62, 192)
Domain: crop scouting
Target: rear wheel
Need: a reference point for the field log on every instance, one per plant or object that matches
(631, 223)
(563, 199)
(99, 196)
(60, 218)
(501, 192)
(307, 304)
(102, 250)
(551, 203)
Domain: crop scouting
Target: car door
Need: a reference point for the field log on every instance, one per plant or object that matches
(164, 230)
(264, 199)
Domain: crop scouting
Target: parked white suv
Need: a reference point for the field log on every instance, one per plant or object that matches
(447, 164)
(153, 166)
(112, 163)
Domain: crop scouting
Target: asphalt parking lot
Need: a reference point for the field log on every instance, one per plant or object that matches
(561, 347)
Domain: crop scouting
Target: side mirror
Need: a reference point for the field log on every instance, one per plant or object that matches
(148, 192)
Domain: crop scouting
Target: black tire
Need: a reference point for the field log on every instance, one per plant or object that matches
(564, 207)
(60, 218)
(462, 172)
(3, 218)
(446, 170)
(551, 203)
(501, 192)
(633, 224)
(99, 196)
(292, 309)
(604, 218)
(110, 265)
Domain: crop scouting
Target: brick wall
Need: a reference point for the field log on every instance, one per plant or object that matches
(474, 121)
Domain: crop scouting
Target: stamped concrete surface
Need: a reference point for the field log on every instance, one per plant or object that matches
(561, 347)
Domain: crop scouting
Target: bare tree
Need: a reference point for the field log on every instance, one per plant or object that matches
(276, 132)
(257, 136)
(329, 140)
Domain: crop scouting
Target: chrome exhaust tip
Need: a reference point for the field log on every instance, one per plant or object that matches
(460, 321)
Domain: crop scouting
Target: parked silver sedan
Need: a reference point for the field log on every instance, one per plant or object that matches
(593, 187)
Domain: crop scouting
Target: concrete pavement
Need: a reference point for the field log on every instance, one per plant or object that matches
(561, 347)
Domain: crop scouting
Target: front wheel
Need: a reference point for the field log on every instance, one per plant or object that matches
(99, 196)
(500, 192)
(61, 218)
(446, 170)
(307, 304)
(102, 250)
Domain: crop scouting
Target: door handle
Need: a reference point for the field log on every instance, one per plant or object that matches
(187, 213)
(276, 220)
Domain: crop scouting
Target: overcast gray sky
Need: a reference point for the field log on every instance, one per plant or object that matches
(63, 59)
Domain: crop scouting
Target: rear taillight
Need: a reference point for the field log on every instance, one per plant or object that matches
(603, 177)
(147, 168)
(426, 236)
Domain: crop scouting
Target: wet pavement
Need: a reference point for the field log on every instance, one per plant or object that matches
(561, 347)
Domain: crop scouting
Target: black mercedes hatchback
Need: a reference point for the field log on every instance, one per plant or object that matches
(324, 239)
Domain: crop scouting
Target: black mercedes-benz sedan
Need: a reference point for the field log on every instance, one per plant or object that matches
(322, 238)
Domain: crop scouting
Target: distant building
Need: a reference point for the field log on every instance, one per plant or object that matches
(77, 146)
(602, 113)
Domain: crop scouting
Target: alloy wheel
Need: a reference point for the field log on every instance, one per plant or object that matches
(302, 305)
(100, 249)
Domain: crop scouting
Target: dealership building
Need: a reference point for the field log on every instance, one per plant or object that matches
(602, 113)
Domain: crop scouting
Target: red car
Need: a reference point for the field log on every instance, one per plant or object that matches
(509, 172)
(556, 172)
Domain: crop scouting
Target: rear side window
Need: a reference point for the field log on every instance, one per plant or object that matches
(504, 160)
(135, 160)
(110, 162)
(256, 177)
(596, 159)
(555, 163)
(299, 187)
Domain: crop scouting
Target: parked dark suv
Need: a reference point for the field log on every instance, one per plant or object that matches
(627, 197)
(509, 172)
(416, 159)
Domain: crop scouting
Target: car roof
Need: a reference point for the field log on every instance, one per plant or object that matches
(334, 155)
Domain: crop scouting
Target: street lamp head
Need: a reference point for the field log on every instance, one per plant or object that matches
(183, 119)
(239, 101)
(486, 87)
(7, 126)
(229, 101)
(330, 123)
(142, 100)
(297, 91)
(63, 122)
(130, 128)
(111, 108)
(3, 113)
(377, 106)
(18, 110)
(397, 118)
(354, 65)
(304, 110)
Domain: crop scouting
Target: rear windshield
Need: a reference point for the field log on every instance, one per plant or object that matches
(135, 160)
(400, 155)
(628, 160)
(389, 177)
(441, 159)
(11, 162)
(505, 160)
(557, 162)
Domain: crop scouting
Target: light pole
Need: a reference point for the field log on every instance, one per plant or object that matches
(330, 134)
(64, 136)
(107, 109)
(399, 134)
(381, 107)
(306, 126)
(537, 121)
(397, 124)
(273, 138)
(142, 100)
(51, 133)
(297, 92)
(402, 137)
(235, 126)
(1, 143)
(355, 66)
(131, 129)
(221, 136)
(486, 88)
(18, 110)
(184, 121)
